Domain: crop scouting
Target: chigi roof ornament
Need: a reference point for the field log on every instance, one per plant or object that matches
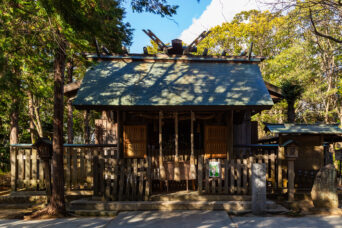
(177, 47)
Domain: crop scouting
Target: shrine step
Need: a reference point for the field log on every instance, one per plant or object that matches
(233, 206)
(194, 196)
(94, 213)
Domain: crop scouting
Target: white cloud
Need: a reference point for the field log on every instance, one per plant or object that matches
(217, 12)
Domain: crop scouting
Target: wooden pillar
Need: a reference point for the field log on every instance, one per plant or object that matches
(86, 127)
(280, 164)
(192, 175)
(161, 165)
(70, 122)
(176, 170)
(119, 133)
(291, 177)
(230, 141)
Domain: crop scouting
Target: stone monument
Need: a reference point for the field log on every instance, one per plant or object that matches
(258, 182)
(324, 189)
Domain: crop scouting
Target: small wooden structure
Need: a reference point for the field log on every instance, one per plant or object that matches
(310, 143)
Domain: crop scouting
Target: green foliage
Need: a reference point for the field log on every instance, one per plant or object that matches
(30, 33)
(291, 90)
(264, 29)
(154, 6)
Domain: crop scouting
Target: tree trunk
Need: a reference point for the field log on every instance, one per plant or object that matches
(30, 104)
(290, 112)
(57, 202)
(35, 121)
(70, 70)
(14, 119)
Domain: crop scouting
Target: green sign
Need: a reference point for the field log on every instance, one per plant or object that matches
(214, 169)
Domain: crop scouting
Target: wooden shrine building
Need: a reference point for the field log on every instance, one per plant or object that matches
(169, 122)
(173, 113)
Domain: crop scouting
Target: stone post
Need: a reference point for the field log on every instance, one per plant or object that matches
(258, 189)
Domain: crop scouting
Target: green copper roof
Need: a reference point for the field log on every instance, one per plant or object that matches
(139, 83)
(304, 128)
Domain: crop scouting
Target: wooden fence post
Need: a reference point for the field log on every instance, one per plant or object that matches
(14, 164)
(34, 169)
(206, 176)
(200, 174)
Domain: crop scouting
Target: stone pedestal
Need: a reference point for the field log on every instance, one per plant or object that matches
(323, 192)
(258, 183)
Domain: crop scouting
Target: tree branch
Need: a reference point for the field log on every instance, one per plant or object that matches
(319, 33)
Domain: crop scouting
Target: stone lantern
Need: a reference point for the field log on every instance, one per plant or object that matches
(291, 153)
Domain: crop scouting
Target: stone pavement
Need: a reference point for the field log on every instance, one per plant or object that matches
(168, 219)
(58, 223)
(180, 219)
(287, 222)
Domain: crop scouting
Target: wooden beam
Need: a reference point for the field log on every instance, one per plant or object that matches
(161, 165)
(230, 141)
(196, 41)
(169, 108)
(176, 169)
(71, 89)
(119, 129)
(153, 37)
(86, 127)
(192, 175)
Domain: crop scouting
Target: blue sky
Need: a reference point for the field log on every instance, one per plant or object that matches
(165, 28)
(193, 17)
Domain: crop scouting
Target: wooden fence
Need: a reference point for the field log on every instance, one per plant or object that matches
(267, 154)
(236, 173)
(233, 178)
(124, 179)
(27, 169)
(97, 167)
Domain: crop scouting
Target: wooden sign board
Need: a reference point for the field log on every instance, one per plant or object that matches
(214, 169)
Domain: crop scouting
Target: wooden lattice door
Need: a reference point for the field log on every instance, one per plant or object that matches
(135, 137)
(106, 132)
(215, 141)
